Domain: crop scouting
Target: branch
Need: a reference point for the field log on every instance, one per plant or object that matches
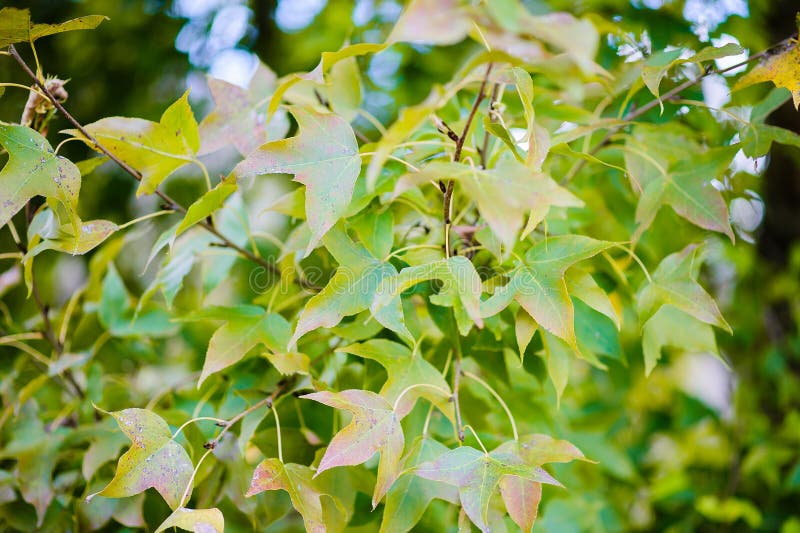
(672, 93)
(448, 189)
(170, 203)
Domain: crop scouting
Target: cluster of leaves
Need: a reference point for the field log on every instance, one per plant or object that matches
(495, 241)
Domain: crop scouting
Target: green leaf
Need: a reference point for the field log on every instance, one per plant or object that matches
(405, 369)
(197, 520)
(581, 285)
(154, 460)
(524, 329)
(207, 204)
(656, 67)
(33, 169)
(670, 327)
(539, 286)
(375, 427)
(674, 283)
(557, 354)
(410, 495)
(477, 476)
(62, 237)
(461, 288)
(323, 157)
(16, 26)
(240, 115)
(116, 312)
(297, 480)
(351, 290)
(154, 149)
(246, 327)
(686, 187)
(504, 195)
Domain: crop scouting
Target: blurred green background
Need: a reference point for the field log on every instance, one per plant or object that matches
(694, 447)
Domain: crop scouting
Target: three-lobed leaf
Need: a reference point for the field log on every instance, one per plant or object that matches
(154, 460)
(323, 157)
(375, 427)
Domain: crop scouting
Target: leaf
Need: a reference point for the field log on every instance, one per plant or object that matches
(207, 204)
(557, 355)
(581, 285)
(246, 327)
(674, 283)
(405, 369)
(33, 169)
(781, 68)
(504, 195)
(539, 286)
(117, 314)
(521, 498)
(240, 115)
(351, 290)
(153, 460)
(323, 157)
(656, 67)
(477, 476)
(197, 520)
(154, 149)
(59, 233)
(410, 495)
(686, 187)
(670, 327)
(524, 329)
(439, 22)
(461, 288)
(375, 427)
(16, 26)
(297, 480)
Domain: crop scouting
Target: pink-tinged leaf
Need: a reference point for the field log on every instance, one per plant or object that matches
(297, 480)
(432, 22)
(323, 157)
(196, 520)
(404, 369)
(375, 427)
(240, 115)
(154, 460)
(538, 449)
(477, 476)
(522, 499)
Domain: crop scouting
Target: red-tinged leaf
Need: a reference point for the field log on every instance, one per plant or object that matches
(375, 428)
(196, 520)
(522, 499)
(538, 449)
(323, 157)
(477, 476)
(154, 460)
(240, 115)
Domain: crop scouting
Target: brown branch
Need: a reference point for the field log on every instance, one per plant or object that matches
(450, 186)
(268, 401)
(672, 93)
(171, 204)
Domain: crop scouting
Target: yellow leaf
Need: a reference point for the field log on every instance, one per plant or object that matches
(782, 69)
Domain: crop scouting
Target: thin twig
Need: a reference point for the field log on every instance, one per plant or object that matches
(483, 151)
(675, 91)
(170, 203)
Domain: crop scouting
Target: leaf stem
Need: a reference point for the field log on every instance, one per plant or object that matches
(278, 430)
(189, 485)
(497, 397)
(416, 386)
(197, 419)
(145, 217)
(477, 438)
